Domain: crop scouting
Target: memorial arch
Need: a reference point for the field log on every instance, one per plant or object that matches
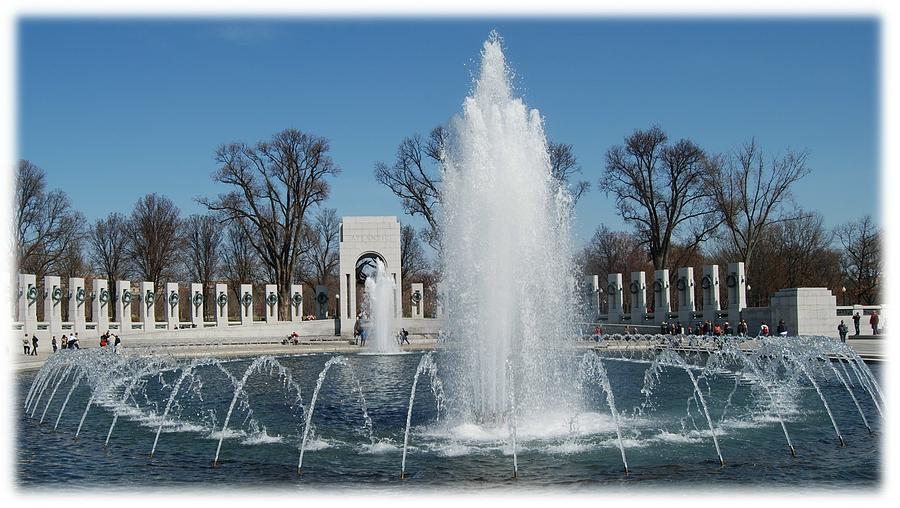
(364, 240)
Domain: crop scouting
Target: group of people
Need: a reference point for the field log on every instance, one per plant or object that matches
(707, 327)
(67, 342)
(30, 345)
(361, 332)
(293, 338)
(106, 337)
(873, 322)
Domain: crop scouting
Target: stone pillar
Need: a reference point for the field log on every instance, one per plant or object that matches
(736, 283)
(53, 305)
(417, 298)
(297, 302)
(123, 305)
(172, 304)
(321, 301)
(148, 306)
(271, 303)
(28, 297)
(638, 290)
(662, 303)
(592, 296)
(806, 311)
(100, 305)
(221, 305)
(614, 297)
(197, 298)
(246, 304)
(710, 286)
(77, 297)
(685, 287)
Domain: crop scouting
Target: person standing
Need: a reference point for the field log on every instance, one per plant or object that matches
(856, 322)
(34, 345)
(842, 330)
(26, 343)
(53, 343)
(116, 344)
(65, 342)
(873, 321)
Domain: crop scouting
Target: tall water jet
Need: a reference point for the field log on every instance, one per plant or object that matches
(380, 304)
(507, 254)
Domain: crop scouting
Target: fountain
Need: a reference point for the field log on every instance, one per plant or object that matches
(511, 393)
(507, 256)
(379, 303)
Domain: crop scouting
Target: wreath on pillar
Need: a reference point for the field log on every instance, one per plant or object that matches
(272, 299)
(681, 284)
(611, 289)
(223, 299)
(104, 295)
(126, 296)
(416, 297)
(198, 298)
(247, 299)
(635, 287)
(56, 295)
(731, 280)
(173, 298)
(706, 282)
(657, 286)
(150, 297)
(297, 298)
(322, 298)
(32, 293)
(79, 295)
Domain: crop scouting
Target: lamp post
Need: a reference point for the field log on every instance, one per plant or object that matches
(602, 301)
(844, 294)
(748, 294)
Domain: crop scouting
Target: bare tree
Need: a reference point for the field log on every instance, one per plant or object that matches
(107, 246)
(274, 184)
(564, 166)
(659, 190)
(748, 193)
(322, 255)
(861, 258)
(203, 240)
(415, 266)
(154, 239)
(412, 256)
(613, 252)
(415, 178)
(46, 226)
(240, 264)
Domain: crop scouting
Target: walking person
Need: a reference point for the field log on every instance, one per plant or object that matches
(34, 345)
(842, 330)
(53, 343)
(26, 343)
(856, 322)
(873, 321)
(404, 336)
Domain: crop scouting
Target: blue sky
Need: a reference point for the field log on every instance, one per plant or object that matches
(113, 109)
